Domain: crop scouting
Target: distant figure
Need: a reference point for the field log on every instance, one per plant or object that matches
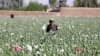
(52, 27)
(12, 15)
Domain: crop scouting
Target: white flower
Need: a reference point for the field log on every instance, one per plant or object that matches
(72, 26)
(73, 38)
(29, 47)
(0, 28)
(72, 54)
(23, 51)
(85, 39)
(1, 50)
(12, 40)
(85, 35)
(12, 34)
(54, 54)
(5, 23)
(88, 28)
(7, 44)
(44, 55)
(57, 49)
(62, 50)
(61, 39)
(44, 27)
(96, 35)
(59, 27)
(42, 37)
(69, 26)
(80, 24)
(74, 45)
(4, 30)
(37, 52)
(41, 49)
(21, 36)
(16, 39)
(41, 45)
(36, 46)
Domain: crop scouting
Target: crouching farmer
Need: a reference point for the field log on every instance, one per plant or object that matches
(52, 27)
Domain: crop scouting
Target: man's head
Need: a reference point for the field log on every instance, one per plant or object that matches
(51, 21)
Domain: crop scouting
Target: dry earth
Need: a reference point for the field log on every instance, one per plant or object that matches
(68, 11)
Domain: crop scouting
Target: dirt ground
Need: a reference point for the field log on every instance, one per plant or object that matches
(80, 11)
(68, 11)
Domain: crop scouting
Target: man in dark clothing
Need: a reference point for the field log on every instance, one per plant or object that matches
(51, 27)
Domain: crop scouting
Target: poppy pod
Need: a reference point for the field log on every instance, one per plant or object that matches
(79, 50)
(17, 48)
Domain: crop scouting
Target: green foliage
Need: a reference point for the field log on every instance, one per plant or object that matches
(34, 6)
(15, 4)
(99, 4)
(85, 3)
(73, 33)
(11, 4)
(52, 3)
(62, 3)
(45, 7)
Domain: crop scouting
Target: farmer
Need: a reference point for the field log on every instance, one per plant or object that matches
(52, 27)
(11, 15)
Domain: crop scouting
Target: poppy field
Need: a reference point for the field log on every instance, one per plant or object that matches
(26, 36)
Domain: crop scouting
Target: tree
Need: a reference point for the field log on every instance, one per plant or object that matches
(11, 3)
(1, 4)
(62, 3)
(85, 3)
(16, 3)
(20, 2)
(34, 6)
(52, 3)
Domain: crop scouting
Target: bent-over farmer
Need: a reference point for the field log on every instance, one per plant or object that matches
(52, 27)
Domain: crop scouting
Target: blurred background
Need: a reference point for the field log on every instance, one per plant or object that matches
(40, 5)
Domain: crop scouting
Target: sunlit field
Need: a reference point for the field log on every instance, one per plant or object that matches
(26, 36)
